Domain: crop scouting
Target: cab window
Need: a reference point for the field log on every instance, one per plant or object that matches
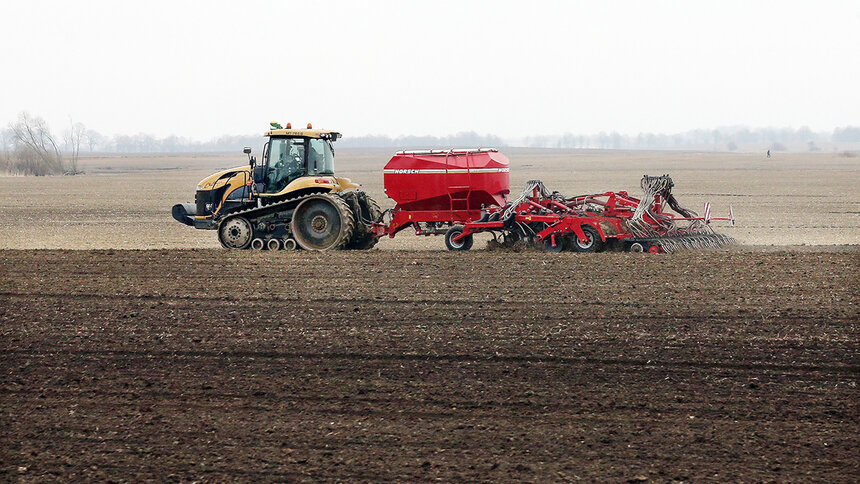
(320, 157)
(286, 162)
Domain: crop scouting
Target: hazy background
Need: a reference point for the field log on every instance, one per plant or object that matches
(526, 72)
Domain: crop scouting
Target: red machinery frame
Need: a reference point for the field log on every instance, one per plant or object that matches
(435, 188)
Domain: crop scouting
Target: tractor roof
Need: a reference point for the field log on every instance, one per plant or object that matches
(306, 133)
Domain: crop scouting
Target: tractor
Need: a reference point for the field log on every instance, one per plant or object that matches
(291, 199)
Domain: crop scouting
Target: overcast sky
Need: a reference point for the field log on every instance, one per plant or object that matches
(511, 68)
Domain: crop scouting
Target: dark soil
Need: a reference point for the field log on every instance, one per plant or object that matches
(214, 365)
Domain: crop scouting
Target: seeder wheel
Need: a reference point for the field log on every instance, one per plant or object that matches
(463, 244)
(594, 243)
(558, 247)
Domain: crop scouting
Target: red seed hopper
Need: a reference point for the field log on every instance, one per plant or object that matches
(435, 187)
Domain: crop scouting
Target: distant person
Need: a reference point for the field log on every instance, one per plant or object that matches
(768, 153)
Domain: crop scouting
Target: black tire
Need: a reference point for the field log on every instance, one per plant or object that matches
(636, 248)
(559, 246)
(463, 244)
(594, 243)
(368, 211)
(322, 222)
(235, 233)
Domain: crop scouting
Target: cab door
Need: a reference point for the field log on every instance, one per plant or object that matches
(285, 161)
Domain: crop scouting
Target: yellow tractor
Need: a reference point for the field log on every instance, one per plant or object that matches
(291, 199)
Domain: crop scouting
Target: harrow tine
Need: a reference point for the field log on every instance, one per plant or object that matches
(679, 243)
(668, 246)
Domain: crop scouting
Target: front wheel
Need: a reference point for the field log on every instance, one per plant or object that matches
(463, 244)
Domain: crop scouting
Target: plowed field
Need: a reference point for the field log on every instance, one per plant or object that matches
(392, 365)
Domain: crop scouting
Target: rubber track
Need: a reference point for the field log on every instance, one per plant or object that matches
(266, 209)
(347, 218)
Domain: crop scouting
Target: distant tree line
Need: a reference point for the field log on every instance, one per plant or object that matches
(723, 138)
(29, 147)
(846, 135)
(466, 139)
(81, 139)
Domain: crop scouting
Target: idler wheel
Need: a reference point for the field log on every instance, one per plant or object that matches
(235, 233)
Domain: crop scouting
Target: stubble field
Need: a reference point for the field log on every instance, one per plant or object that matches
(185, 362)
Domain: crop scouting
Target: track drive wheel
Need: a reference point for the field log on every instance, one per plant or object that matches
(235, 233)
(322, 222)
(463, 244)
(369, 212)
(594, 243)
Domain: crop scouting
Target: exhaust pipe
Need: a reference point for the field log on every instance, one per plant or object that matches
(183, 212)
(257, 244)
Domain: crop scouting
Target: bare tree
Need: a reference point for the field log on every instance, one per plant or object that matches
(5, 144)
(73, 138)
(35, 150)
(94, 138)
(6, 138)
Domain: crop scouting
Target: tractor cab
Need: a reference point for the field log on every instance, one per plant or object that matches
(290, 154)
